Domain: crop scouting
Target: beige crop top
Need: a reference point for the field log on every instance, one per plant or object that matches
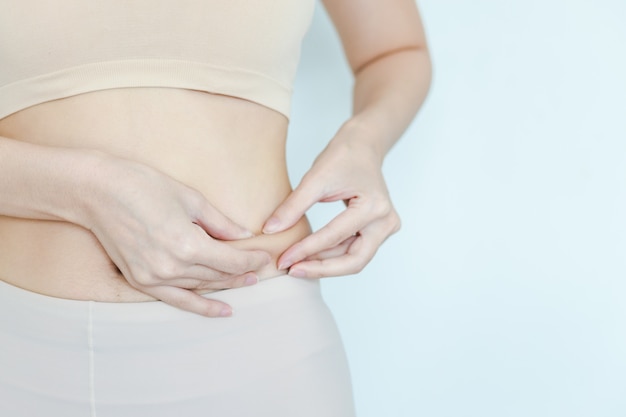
(242, 48)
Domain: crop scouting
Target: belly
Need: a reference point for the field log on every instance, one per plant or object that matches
(231, 150)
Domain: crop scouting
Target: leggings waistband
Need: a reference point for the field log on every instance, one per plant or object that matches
(279, 355)
(45, 317)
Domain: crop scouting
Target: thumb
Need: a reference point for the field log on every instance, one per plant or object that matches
(292, 209)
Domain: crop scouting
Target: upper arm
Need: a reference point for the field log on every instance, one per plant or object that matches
(370, 29)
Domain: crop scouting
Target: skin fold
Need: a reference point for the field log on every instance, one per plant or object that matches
(155, 193)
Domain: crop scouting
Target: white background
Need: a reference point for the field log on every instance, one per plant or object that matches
(505, 292)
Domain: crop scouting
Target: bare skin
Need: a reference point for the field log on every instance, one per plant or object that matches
(196, 138)
(157, 193)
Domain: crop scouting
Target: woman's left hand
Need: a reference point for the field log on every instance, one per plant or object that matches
(350, 170)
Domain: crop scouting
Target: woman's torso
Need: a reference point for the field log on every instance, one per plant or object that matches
(230, 149)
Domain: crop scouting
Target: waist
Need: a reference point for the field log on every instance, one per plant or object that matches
(231, 150)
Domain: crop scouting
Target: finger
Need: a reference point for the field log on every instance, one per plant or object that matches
(190, 301)
(227, 259)
(293, 208)
(360, 252)
(200, 274)
(244, 280)
(227, 282)
(340, 249)
(218, 225)
(346, 224)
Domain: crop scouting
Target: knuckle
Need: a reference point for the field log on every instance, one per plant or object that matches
(195, 198)
(167, 269)
(359, 263)
(358, 267)
(380, 207)
(192, 284)
(235, 283)
(178, 302)
(239, 263)
(185, 250)
(205, 285)
(216, 309)
(217, 276)
(209, 309)
(184, 246)
(332, 235)
(141, 280)
(396, 223)
(215, 282)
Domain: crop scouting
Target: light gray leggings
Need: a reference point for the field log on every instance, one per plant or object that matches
(280, 355)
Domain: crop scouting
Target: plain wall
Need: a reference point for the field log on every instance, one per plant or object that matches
(504, 294)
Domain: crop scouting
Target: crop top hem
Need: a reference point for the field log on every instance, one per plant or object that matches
(255, 87)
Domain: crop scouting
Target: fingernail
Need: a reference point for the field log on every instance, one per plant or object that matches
(251, 280)
(271, 225)
(226, 312)
(297, 273)
(285, 263)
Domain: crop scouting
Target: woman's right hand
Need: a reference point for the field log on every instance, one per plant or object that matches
(165, 237)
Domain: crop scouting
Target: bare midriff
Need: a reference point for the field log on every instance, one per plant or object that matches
(229, 149)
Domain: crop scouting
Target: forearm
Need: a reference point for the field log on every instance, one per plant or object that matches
(46, 183)
(385, 46)
(388, 92)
